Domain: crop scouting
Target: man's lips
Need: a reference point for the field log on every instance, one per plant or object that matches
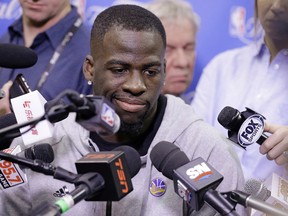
(176, 79)
(35, 4)
(130, 105)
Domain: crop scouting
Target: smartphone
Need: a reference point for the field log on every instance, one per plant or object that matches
(19, 87)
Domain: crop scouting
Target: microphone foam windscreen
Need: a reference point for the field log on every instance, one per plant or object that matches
(257, 189)
(167, 157)
(226, 115)
(43, 152)
(132, 157)
(16, 56)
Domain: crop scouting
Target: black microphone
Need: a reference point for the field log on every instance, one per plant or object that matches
(194, 181)
(12, 174)
(16, 56)
(43, 152)
(95, 113)
(244, 128)
(107, 173)
(113, 166)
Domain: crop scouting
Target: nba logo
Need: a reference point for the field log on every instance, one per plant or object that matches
(107, 115)
(237, 21)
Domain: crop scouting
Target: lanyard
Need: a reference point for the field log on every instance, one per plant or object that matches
(58, 52)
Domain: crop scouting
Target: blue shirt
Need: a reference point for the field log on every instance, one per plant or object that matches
(240, 78)
(67, 73)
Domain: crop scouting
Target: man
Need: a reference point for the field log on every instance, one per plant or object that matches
(178, 16)
(43, 27)
(253, 76)
(127, 66)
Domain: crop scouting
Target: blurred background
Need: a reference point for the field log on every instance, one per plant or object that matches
(225, 24)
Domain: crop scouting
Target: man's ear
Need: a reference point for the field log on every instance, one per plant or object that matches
(88, 68)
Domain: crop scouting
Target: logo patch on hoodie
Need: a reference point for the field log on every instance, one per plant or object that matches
(157, 187)
(61, 192)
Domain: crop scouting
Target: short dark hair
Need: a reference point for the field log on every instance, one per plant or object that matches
(129, 17)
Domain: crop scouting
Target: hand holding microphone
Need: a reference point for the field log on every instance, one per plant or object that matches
(244, 128)
(247, 127)
(276, 146)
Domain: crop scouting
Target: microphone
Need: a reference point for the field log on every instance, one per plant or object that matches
(28, 107)
(43, 152)
(95, 113)
(92, 186)
(11, 174)
(249, 201)
(244, 128)
(274, 191)
(9, 120)
(15, 56)
(257, 189)
(194, 181)
(132, 157)
(113, 166)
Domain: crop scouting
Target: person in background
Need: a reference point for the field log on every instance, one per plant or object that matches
(254, 76)
(181, 24)
(54, 30)
(127, 67)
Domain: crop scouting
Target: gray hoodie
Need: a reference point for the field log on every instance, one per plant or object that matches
(180, 126)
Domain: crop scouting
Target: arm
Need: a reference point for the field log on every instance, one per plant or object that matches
(275, 145)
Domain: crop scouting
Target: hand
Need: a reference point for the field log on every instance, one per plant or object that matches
(4, 102)
(276, 146)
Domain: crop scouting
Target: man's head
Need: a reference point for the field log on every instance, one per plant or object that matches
(127, 63)
(44, 12)
(181, 25)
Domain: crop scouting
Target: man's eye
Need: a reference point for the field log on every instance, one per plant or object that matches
(190, 48)
(151, 72)
(119, 70)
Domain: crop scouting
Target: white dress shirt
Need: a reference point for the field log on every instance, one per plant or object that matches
(242, 78)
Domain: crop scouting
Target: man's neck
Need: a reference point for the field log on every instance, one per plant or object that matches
(32, 29)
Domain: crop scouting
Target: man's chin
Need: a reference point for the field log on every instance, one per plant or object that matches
(177, 91)
(133, 129)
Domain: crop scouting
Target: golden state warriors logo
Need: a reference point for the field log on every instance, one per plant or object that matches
(157, 187)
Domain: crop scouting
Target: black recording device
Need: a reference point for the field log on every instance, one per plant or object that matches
(19, 87)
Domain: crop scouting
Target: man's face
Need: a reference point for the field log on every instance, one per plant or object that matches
(180, 55)
(273, 16)
(40, 11)
(129, 70)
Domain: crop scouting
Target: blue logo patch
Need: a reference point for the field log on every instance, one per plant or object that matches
(157, 187)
